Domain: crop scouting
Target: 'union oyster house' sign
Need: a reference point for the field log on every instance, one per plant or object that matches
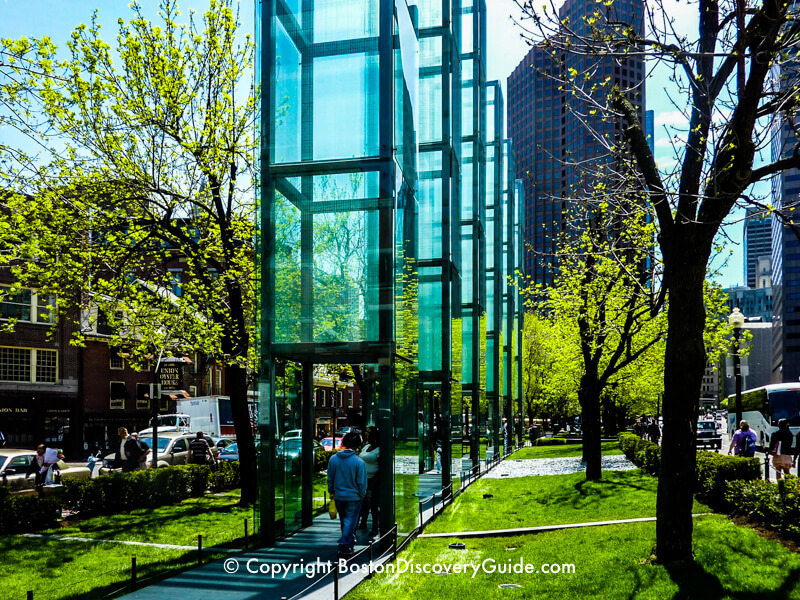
(170, 376)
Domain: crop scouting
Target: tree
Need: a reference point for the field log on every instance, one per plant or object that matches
(145, 155)
(603, 296)
(548, 369)
(724, 87)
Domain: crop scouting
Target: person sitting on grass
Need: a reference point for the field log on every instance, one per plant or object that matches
(347, 486)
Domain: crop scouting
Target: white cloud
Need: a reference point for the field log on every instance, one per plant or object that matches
(671, 118)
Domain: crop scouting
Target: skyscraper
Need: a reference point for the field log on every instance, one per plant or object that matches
(785, 267)
(557, 137)
(757, 244)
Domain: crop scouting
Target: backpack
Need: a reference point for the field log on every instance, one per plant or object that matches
(749, 445)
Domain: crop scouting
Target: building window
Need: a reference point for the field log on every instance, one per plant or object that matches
(117, 363)
(175, 281)
(193, 391)
(350, 399)
(217, 381)
(28, 365)
(118, 392)
(26, 305)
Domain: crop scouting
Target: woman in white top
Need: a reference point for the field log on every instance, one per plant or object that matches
(370, 454)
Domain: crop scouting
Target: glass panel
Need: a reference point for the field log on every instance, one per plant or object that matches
(288, 396)
(341, 275)
(336, 20)
(345, 186)
(346, 85)
(287, 85)
(287, 270)
(408, 424)
(430, 319)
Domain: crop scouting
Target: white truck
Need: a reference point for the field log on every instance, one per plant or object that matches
(210, 414)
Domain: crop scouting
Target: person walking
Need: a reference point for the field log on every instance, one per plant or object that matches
(653, 432)
(200, 452)
(370, 454)
(347, 486)
(780, 447)
(143, 451)
(743, 442)
(127, 454)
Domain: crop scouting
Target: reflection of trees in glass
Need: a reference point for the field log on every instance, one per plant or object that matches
(340, 276)
(341, 242)
(287, 270)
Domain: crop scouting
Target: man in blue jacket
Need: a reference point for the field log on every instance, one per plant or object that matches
(347, 485)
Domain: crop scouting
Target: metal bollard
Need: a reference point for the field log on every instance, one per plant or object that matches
(133, 573)
(200, 549)
(245, 533)
(371, 544)
(766, 467)
(336, 582)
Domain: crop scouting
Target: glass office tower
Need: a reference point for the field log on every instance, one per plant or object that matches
(372, 246)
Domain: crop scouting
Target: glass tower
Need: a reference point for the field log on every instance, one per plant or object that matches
(373, 248)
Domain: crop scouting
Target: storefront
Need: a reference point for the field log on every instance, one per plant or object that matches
(29, 420)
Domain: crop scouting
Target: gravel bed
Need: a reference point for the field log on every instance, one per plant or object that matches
(555, 466)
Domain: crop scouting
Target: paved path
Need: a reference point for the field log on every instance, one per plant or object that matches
(555, 466)
(540, 529)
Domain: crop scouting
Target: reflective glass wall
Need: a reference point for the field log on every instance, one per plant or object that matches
(338, 224)
(383, 270)
(439, 234)
(473, 208)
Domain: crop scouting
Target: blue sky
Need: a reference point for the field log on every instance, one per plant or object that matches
(57, 18)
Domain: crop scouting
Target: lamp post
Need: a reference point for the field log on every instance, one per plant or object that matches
(736, 320)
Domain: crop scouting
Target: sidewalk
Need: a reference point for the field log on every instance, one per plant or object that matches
(315, 545)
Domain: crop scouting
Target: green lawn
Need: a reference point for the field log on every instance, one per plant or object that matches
(610, 564)
(608, 448)
(58, 570)
(218, 519)
(551, 500)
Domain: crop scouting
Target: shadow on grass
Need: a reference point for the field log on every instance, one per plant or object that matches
(141, 520)
(694, 581)
(585, 493)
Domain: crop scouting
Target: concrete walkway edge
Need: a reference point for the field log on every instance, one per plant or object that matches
(540, 529)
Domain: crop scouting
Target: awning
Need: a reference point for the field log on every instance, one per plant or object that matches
(175, 394)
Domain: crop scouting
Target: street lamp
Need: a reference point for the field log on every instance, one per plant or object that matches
(736, 320)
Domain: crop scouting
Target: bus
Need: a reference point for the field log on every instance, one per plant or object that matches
(763, 407)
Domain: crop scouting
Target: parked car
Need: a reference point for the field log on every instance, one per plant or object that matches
(221, 443)
(14, 464)
(172, 449)
(708, 435)
(291, 448)
(328, 443)
(293, 434)
(345, 430)
(230, 452)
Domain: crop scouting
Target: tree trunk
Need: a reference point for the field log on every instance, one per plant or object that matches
(589, 398)
(236, 386)
(684, 364)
